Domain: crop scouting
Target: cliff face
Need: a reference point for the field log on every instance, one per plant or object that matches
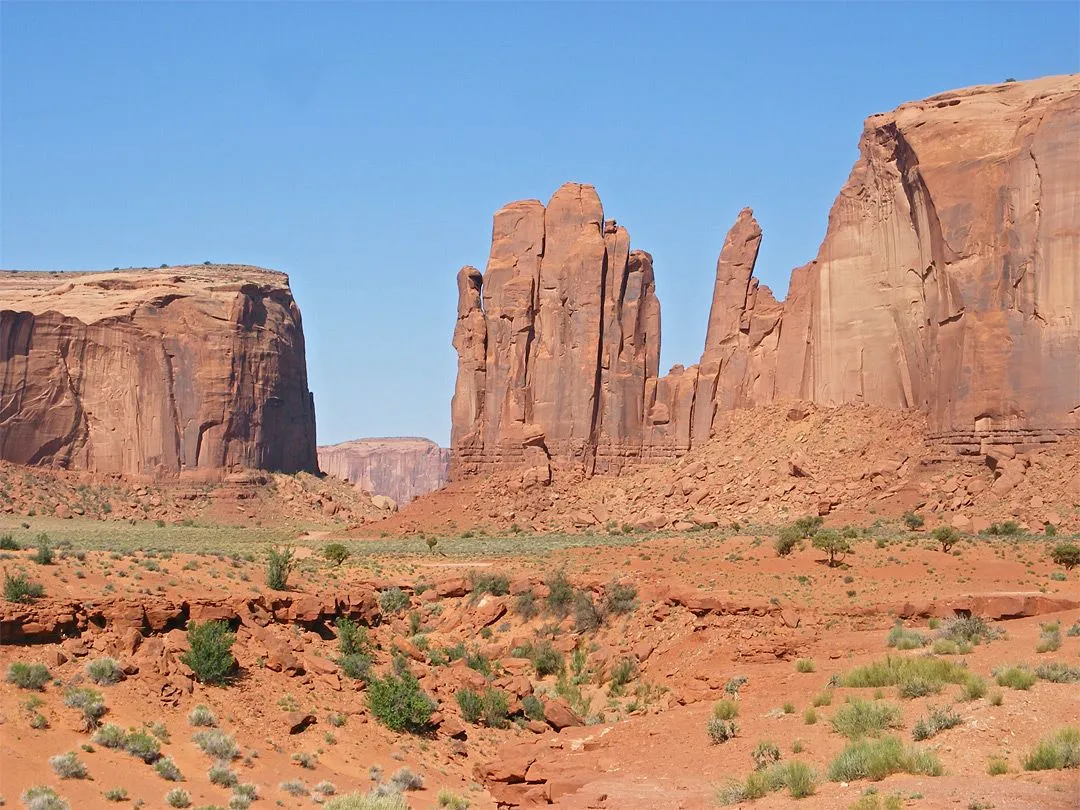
(182, 370)
(400, 468)
(948, 281)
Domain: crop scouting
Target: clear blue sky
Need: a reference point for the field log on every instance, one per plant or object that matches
(363, 148)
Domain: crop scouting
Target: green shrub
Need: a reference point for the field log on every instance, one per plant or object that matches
(787, 540)
(620, 598)
(765, 753)
(876, 759)
(221, 774)
(393, 600)
(525, 605)
(44, 554)
(968, 630)
(938, 720)
(1057, 672)
(104, 671)
(808, 525)
(371, 801)
(210, 655)
(895, 670)
(834, 546)
(470, 704)
(356, 666)
(335, 553)
(946, 537)
(725, 710)
(201, 716)
(913, 520)
(399, 703)
(1049, 638)
(804, 665)
(1015, 677)
(797, 777)
(216, 743)
(810, 717)
(733, 685)
(588, 615)
(624, 671)
(42, 797)
(279, 565)
(560, 594)
(546, 660)
(533, 707)
(862, 718)
(167, 770)
(1066, 555)
(494, 584)
(1060, 749)
(178, 797)
(68, 766)
(973, 689)
(903, 639)
(88, 701)
(720, 730)
(996, 766)
(19, 587)
(447, 800)
(142, 745)
(27, 676)
(110, 736)
(495, 708)
(116, 795)
(916, 687)
(7, 543)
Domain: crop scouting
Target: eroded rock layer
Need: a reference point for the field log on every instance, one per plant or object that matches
(399, 468)
(948, 282)
(180, 370)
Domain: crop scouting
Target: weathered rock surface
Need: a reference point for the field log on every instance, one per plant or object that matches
(189, 370)
(399, 468)
(948, 282)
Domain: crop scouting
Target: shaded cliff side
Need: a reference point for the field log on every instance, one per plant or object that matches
(178, 370)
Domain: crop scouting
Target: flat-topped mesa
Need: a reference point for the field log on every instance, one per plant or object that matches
(555, 341)
(192, 370)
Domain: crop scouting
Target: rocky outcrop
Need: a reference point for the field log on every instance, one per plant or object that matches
(399, 468)
(180, 370)
(948, 282)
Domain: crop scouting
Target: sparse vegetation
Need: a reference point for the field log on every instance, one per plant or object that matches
(560, 594)
(902, 638)
(862, 718)
(906, 672)
(399, 703)
(1066, 555)
(804, 665)
(937, 721)
(797, 777)
(89, 702)
(1057, 672)
(167, 770)
(787, 541)
(875, 759)
(42, 797)
(27, 676)
(104, 671)
(18, 587)
(280, 562)
(178, 797)
(913, 520)
(201, 716)
(43, 554)
(1015, 677)
(335, 553)
(210, 655)
(216, 743)
(68, 766)
(835, 546)
(1059, 750)
(946, 537)
(393, 600)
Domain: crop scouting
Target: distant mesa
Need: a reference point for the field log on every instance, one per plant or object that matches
(948, 282)
(186, 371)
(400, 468)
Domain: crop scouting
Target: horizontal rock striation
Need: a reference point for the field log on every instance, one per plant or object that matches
(179, 370)
(399, 468)
(948, 282)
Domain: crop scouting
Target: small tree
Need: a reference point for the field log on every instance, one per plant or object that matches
(399, 703)
(947, 536)
(833, 544)
(336, 553)
(1066, 554)
(787, 540)
(210, 656)
(279, 564)
(44, 553)
(913, 520)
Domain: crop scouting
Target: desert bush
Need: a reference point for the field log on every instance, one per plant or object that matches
(27, 676)
(104, 671)
(1049, 638)
(470, 704)
(202, 716)
(1057, 672)
(808, 525)
(7, 543)
(720, 730)
(876, 759)
(304, 759)
(533, 707)
(68, 766)
(967, 630)
(399, 703)
(1061, 749)
(1066, 555)
(142, 745)
(1015, 677)
(787, 540)
(110, 736)
(116, 795)
(733, 685)
(210, 655)
(448, 800)
(937, 721)
(973, 689)
(167, 770)
(494, 584)
(588, 615)
(294, 787)
(823, 698)
(804, 665)
(279, 565)
(834, 546)
(42, 797)
(864, 718)
(525, 605)
(371, 801)
(177, 797)
(405, 779)
(810, 716)
(335, 553)
(216, 743)
(997, 765)
(88, 701)
(620, 598)
(560, 594)
(913, 520)
(19, 587)
(903, 639)
(624, 671)
(44, 554)
(393, 600)
(797, 777)
(894, 671)
(946, 536)
(765, 753)
(725, 710)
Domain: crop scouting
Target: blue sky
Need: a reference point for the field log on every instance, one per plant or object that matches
(363, 148)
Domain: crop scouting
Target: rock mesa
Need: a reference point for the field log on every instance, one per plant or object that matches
(399, 468)
(948, 281)
(179, 370)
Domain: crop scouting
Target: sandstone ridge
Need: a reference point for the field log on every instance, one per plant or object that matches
(948, 282)
(190, 370)
(400, 468)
